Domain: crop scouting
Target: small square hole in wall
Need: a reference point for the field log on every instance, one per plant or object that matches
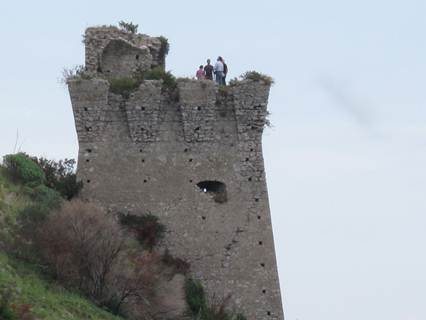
(263, 291)
(190, 160)
(198, 108)
(247, 159)
(258, 217)
(251, 150)
(89, 150)
(203, 217)
(86, 109)
(88, 180)
(143, 108)
(262, 264)
(249, 179)
(145, 181)
(87, 160)
(190, 180)
(137, 57)
(143, 160)
(185, 150)
(197, 128)
(268, 313)
(140, 150)
(260, 243)
(256, 199)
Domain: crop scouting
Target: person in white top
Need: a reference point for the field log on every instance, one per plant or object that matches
(218, 70)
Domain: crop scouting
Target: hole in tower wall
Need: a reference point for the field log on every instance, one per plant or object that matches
(137, 57)
(216, 189)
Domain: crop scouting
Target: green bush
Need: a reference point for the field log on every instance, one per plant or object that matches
(195, 297)
(46, 197)
(123, 86)
(257, 76)
(22, 168)
(60, 176)
(201, 309)
(164, 49)
(147, 228)
(158, 73)
(128, 26)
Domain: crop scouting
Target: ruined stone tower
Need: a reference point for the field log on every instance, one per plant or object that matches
(194, 160)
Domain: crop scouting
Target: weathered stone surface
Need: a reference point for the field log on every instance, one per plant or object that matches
(205, 136)
(106, 46)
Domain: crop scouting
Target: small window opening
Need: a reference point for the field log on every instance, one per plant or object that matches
(190, 160)
(269, 313)
(137, 57)
(260, 243)
(262, 264)
(145, 181)
(256, 199)
(258, 217)
(190, 180)
(86, 109)
(249, 179)
(88, 181)
(214, 188)
(197, 128)
(89, 150)
(143, 108)
(263, 291)
(143, 160)
(203, 217)
(185, 150)
(198, 108)
(87, 160)
(251, 150)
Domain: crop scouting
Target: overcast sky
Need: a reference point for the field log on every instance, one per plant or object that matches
(345, 158)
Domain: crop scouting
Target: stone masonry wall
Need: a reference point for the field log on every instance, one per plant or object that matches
(147, 153)
(140, 51)
(196, 162)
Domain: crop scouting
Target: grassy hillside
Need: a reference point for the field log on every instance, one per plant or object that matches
(47, 300)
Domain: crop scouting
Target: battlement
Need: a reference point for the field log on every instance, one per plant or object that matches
(202, 112)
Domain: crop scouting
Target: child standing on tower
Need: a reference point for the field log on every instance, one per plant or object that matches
(201, 75)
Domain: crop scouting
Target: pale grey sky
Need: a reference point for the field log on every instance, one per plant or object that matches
(345, 159)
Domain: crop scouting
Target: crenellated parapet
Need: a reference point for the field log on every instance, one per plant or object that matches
(203, 112)
(143, 112)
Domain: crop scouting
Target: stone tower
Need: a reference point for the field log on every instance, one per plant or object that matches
(194, 160)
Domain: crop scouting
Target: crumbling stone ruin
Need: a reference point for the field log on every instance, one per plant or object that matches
(194, 160)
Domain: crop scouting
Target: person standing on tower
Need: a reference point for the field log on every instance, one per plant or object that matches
(218, 71)
(201, 75)
(225, 72)
(208, 69)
